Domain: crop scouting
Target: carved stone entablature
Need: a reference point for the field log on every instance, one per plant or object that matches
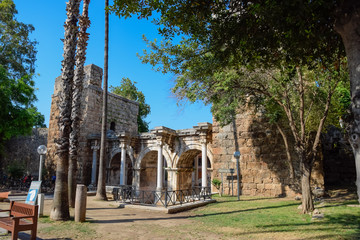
(205, 131)
(124, 138)
(165, 135)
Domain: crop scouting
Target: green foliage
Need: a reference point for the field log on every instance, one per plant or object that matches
(224, 41)
(17, 115)
(17, 62)
(15, 170)
(267, 32)
(216, 182)
(17, 50)
(128, 90)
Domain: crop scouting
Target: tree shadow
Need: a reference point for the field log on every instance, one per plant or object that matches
(188, 217)
(346, 221)
(27, 236)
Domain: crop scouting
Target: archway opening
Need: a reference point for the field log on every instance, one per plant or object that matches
(189, 172)
(115, 170)
(148, 173)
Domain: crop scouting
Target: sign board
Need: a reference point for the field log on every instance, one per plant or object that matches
(33, 192)
(222, 170)
(231, 178)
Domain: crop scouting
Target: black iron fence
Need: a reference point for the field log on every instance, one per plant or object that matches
(166, 198)
(47, 186)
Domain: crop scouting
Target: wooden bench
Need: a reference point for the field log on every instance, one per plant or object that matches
(22, 217)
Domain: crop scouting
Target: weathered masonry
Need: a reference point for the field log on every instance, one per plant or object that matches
(161, 158)
(177, 159)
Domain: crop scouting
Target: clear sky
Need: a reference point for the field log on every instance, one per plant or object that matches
(125, 40)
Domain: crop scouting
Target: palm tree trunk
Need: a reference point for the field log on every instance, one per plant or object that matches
(101, 191)
(84, 23)
(60, 208)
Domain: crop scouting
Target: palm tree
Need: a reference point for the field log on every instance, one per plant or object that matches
(60, 207)
(84, 23)
(101, 191)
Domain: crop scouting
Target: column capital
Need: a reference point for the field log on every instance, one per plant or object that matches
(159, 141)
(203, 139)
(95, 148)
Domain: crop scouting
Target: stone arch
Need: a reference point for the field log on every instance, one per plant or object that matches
(148, 149)
(195, 146)
(114, 167)
(146, 166)
(186, 176)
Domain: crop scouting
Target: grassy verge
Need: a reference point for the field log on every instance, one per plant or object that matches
(65, 229)
(274, 218)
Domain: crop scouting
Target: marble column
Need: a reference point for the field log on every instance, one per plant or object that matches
(123, 164)
(94, 165)
(203, 163)
(159, 182)
(196, 183)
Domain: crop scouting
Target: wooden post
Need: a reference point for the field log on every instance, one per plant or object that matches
(80, 203)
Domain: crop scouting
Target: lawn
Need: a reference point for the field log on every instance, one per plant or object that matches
(276, 218)
(249, 218)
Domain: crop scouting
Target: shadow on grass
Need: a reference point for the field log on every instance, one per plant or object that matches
(26, 236)
(341, 225)
(344, 222)
(91, 209)
(242, 200)
(188, 217)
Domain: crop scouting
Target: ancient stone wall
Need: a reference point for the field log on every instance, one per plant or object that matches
(264, 170)
(22, 150)
(122, 115)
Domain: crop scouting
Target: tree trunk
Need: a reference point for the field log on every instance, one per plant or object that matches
(348, 26)
(101, 189)
(288, 155)
(307, 202)
(76, 101)
(60, 207)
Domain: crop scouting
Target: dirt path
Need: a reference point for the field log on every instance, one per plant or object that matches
(107, 221)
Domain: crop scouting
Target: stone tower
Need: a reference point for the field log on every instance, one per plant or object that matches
(122, 116)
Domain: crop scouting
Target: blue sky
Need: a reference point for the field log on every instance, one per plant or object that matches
(125, 41)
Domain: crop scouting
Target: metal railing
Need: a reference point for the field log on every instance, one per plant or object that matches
(166, 198)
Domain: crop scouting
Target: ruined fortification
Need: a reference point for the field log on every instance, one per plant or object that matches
(186, 158)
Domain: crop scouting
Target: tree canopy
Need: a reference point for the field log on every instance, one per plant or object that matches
(287, 54)
(128, 90)
(17, 87)
(17, 50)
(17, 115)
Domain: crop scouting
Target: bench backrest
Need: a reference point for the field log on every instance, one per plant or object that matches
(22, 210)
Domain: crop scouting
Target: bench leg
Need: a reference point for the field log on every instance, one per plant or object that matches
(14, 235)
(33, 234)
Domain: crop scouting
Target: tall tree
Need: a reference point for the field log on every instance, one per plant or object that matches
(60, 207)
(254, 34)
(17, 86)
(348, 26)
(128, 90)
(296, 99)
(17, 116)
(17, 50)
(83, 37)
(101, 190)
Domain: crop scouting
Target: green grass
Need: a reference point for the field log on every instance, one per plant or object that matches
(261, 218)
(61, 229)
